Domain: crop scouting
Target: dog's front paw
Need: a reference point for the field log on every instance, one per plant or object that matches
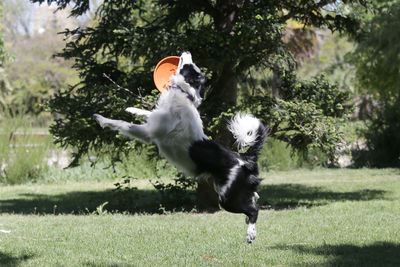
(100, 120)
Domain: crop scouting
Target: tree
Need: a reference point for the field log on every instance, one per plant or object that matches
(377, 62)
(378, 48)
(228, 38)
(33, 73)
(4, 85)
(17, 18)
(2, 51)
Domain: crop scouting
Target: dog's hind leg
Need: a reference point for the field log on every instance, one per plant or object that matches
(243, 202)
(125, 128)
(138, 112)
(255, 198)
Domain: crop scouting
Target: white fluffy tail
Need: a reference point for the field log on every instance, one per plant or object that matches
(244, 129)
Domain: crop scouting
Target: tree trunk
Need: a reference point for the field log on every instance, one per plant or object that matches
(207, 198)
(275, 84)
(223, 96)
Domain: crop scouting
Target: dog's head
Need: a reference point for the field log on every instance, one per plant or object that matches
(189, 78)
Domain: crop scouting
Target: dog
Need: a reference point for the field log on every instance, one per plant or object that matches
(176, 128)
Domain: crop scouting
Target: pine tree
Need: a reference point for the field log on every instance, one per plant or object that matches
(228, 38)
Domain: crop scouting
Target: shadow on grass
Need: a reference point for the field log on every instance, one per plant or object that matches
(11, 261)
(376, 254)
(289, 196)
(83, 202)
(280, 196)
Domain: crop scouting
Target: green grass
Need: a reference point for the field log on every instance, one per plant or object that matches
(308, 218)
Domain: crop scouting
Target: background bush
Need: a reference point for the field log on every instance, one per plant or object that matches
(382, 137)
(22, 154)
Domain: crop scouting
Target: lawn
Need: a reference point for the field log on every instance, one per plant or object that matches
(307, 218)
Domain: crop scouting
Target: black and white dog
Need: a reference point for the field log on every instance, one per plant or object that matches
(177, 130)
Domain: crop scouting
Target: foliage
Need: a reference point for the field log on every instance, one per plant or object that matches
(277, 156)
(331, 57)
(4, 85)
(125, 194)
(22, 156)
(306, 115)
(2, 50)
(377, 61)
(141, 162)
(227, 38)
(178, 195)
(376, 57)
(382, 139)
(33, 73)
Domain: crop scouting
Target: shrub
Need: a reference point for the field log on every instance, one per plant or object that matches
(21, 154)
(277, 155)
(179, 195)
(382, 138)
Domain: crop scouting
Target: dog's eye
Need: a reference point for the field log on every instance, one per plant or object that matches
(249, 133)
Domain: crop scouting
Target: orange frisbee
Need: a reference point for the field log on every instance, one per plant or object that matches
(163, 71)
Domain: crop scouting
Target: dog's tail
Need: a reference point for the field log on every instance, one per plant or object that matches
(248, 132)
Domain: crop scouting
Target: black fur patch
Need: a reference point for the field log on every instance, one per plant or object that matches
(192, 77)
(235, 174)
(211, 157)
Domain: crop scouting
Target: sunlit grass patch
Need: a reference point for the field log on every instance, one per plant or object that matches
(307, 218)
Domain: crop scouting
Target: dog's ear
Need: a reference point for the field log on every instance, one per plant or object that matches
(179, 64)
(186, 58)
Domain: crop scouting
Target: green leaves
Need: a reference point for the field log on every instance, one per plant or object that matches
(227, 39)
(307, 115)
(377, 56)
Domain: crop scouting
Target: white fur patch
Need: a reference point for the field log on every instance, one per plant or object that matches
(179, 80)
(138, 112)
(231, 177)
(244, 129)
(255, 197)
(174, 125)
(185, 58)
(251, 232)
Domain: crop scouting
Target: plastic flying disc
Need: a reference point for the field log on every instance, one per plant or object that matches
(163, 71)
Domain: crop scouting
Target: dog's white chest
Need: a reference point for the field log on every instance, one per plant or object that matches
(174, 126)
